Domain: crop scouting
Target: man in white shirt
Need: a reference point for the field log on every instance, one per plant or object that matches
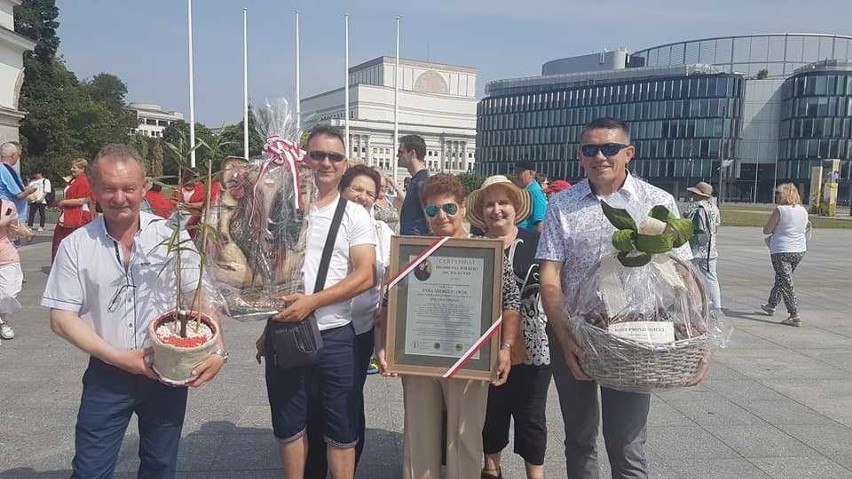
(38, 199)
(351, 271)
(110, 279)
(576, 235)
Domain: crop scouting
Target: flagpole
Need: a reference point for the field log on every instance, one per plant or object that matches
(191, 88)
(346, 88)
(298, 86)
(396, 106)
(245, 86)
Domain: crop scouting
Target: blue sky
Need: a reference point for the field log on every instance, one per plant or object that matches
(144, 42)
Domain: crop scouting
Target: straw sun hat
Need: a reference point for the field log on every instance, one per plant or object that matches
(519, 198)
(701, 189)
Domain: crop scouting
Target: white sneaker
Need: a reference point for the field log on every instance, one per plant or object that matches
(6, 331)
(40, 229)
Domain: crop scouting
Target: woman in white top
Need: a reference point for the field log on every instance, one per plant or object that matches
(360, 184)
(787, 245)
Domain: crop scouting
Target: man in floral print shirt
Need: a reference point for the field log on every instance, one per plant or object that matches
(576, 234)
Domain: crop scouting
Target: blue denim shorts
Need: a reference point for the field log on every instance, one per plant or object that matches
(333, 376)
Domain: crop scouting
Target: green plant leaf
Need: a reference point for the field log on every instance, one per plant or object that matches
(619, 218)
(661, 213)
(654, 244)
(633, 261)
(623, 240)
(681, 229)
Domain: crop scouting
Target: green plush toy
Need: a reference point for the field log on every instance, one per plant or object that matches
(658, 233)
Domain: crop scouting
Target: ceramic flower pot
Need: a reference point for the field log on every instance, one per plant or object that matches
(175, 356)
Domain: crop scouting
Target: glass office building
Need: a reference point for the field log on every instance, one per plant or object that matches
(746, 103)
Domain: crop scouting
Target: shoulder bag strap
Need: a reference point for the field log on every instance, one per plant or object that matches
(15, 176)
(329, 245)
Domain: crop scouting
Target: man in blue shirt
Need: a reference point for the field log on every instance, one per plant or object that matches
(11, 186)
(525, 178)
(411, 154)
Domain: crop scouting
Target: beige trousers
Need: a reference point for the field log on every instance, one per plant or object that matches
(425, 399)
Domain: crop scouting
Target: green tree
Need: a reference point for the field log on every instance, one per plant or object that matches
(157, 155)
(178, 132)
(470, 181)
(37, 19)
(763, 74)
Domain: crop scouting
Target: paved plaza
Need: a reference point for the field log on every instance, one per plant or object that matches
(778, 402)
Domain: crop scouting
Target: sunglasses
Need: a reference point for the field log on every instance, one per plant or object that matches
(608, 149)
(317, 155)
(451, 209)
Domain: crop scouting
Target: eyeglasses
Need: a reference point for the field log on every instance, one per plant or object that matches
(317, 155)
(362, 192)
(608, 149)
(116, 299)
(451, 209)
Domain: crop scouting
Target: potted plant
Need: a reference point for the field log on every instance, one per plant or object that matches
(183, 336)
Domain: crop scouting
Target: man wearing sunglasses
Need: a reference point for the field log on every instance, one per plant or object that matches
(576, 233)
(331, 377)
(525, 178)
(411, 154)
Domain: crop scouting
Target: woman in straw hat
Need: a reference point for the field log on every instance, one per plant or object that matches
(705, 222)
(496, 208)
(425, 398)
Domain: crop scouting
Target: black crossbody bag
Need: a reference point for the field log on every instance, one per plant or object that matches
(295, 344)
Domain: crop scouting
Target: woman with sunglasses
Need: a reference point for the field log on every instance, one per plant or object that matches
(497, 207)
(425, 398)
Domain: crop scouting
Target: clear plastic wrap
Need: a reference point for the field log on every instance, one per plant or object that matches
(642, 319)
(258, 253)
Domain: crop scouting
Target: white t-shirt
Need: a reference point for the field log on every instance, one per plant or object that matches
(42, 187)
(789, 234)
(356, 228)
(365, 305)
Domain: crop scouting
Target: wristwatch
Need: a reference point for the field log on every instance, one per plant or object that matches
(223, 353)
(506, 345)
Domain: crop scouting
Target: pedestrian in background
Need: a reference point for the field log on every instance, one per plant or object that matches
(38, 200)
(788, 226)
(75, 205)
(706, 219)
(11, 275)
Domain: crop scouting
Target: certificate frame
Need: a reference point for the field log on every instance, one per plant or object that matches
(486, 278)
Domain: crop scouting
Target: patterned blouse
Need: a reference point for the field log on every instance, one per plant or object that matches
(521, 255)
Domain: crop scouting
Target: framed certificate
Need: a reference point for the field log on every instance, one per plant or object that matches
(444, 306)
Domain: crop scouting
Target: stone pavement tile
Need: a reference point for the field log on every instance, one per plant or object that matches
(798, 467)
(831, 398)
(739, 468)
(679, 443)
(839, 357)
(784, 411)
(743, 339)
(740, 390)
(714, 410)
(833, 440)
(798, 338)
(247, 452)
(761, 441)
(719, 371)
(382, 456)
(662, 414)
(777, 364)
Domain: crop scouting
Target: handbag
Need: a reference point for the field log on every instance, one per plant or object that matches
(296, 344)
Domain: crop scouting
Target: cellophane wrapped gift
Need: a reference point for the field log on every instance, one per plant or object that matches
(262, 224)
(642, 320)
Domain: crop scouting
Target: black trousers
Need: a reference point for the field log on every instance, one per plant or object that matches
(31, 212)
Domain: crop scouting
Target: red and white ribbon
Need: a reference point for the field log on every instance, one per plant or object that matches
(419, 259)
(474, 349)
(281, 151)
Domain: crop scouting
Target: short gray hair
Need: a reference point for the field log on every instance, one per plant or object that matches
(113, 152)
(8, 149)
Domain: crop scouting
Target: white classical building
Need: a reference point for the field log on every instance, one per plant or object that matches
(152, 120)
(12, 48)
(436, 101)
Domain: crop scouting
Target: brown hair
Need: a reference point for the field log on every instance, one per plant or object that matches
(360, 170)
(788, 194)
(81, 163)
(117, 151)
(443, 184)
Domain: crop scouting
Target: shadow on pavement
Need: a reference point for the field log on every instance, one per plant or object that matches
(756, 316)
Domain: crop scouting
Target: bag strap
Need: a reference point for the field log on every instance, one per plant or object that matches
(329, 245)
(15, 176)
